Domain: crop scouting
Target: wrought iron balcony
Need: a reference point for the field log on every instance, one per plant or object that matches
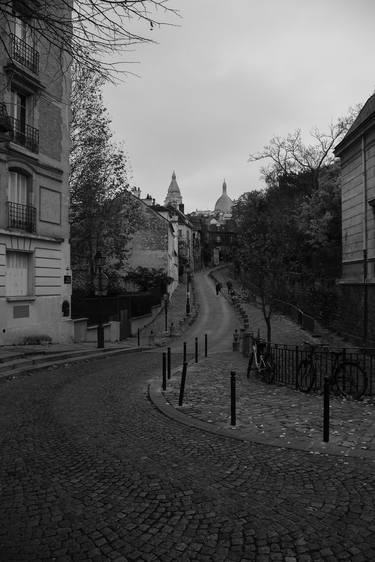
(25, 135)
(25, 54)
(22, 217)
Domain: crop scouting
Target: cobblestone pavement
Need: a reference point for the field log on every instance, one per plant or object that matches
(271, 413)
(89, 470)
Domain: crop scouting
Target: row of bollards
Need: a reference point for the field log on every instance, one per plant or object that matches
(326, 400)
(166, 374)
(166, 359)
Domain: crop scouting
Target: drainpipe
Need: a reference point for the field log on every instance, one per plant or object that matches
(365, 244)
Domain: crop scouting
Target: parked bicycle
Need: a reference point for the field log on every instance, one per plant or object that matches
(261, 358)
(347, 377)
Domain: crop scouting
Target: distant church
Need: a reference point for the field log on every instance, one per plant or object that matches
(174, 197)
(224, 204)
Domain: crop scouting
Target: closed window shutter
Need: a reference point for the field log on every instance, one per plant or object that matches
(17, 274)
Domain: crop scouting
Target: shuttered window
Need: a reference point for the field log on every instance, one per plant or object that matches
(18, 274)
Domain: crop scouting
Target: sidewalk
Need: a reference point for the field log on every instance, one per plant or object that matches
(176, 314)
(271, 414)
(268, 414)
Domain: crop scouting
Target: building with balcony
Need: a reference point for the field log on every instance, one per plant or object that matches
(35, 278)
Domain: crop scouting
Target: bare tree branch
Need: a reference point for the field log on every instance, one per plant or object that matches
(90, 32)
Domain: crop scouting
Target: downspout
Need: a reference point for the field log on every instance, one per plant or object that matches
(365, 242)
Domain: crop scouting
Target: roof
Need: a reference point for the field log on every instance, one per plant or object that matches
(367, 113)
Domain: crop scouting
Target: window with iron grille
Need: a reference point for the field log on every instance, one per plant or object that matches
(21, 214)
(21, 115)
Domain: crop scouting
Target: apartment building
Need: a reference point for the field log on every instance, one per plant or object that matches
(35, 276)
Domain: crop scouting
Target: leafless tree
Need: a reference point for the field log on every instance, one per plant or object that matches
(90, 32)
(291, 155)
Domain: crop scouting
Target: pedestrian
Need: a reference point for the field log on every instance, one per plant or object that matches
(229, 286)
(218, 288)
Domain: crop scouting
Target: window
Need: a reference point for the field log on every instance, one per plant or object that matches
(23, 45)
(21, 215)
(21, 114)
(17, 188)
(23, 31)
(18, 274)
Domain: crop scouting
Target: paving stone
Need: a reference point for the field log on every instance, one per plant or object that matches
(88, 463)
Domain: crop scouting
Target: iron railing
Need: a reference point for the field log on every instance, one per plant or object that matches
(25, 54)
(287, 359)
(21, 216)
(24, 134)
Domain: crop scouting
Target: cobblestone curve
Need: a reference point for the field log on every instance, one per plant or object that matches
(89, 470)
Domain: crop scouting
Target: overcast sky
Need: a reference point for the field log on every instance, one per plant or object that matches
(231, 76)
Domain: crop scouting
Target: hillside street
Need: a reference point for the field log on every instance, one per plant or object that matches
(90, 469)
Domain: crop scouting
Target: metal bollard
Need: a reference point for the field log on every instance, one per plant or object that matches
(169, 362)
(164, 386)
(205, 345)
(184, 357)
(233, 398)
(196, 350)
(182, 386)
(326, 410)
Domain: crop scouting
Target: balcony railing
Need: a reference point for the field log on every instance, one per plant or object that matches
(21, 216)
(25, 54)
(25, 135)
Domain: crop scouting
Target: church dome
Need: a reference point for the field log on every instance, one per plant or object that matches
(224, 203)
(174, 196)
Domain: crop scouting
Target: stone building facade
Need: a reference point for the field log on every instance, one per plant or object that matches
(357, 284)
(35, 277)
(155, 244)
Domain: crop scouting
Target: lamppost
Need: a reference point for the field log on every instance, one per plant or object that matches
(101, 286)
(166, 300)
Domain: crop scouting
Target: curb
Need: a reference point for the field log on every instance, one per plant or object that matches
(248, 435)
(57, 363)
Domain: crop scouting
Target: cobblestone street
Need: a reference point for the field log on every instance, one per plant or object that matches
(91, 470)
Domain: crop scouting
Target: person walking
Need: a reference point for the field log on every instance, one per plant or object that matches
(218, 288)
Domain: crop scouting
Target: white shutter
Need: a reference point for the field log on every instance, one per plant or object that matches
(17, 274)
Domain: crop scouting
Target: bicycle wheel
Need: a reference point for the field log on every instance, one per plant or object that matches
(269, 369)
(350, 380)
(306, 375)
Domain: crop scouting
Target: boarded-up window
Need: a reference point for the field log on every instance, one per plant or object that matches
(18, 274)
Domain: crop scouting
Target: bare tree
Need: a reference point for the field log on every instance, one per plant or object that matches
(90, 32)
(291, 156)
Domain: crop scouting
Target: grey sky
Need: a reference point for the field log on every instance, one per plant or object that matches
(232, 75)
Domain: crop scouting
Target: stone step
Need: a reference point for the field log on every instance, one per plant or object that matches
(32, 358)
(57, 360)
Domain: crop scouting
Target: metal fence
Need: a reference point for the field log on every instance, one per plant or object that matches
(287, 358)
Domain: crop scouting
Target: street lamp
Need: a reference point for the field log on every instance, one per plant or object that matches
(101, 285)
(166, 299)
